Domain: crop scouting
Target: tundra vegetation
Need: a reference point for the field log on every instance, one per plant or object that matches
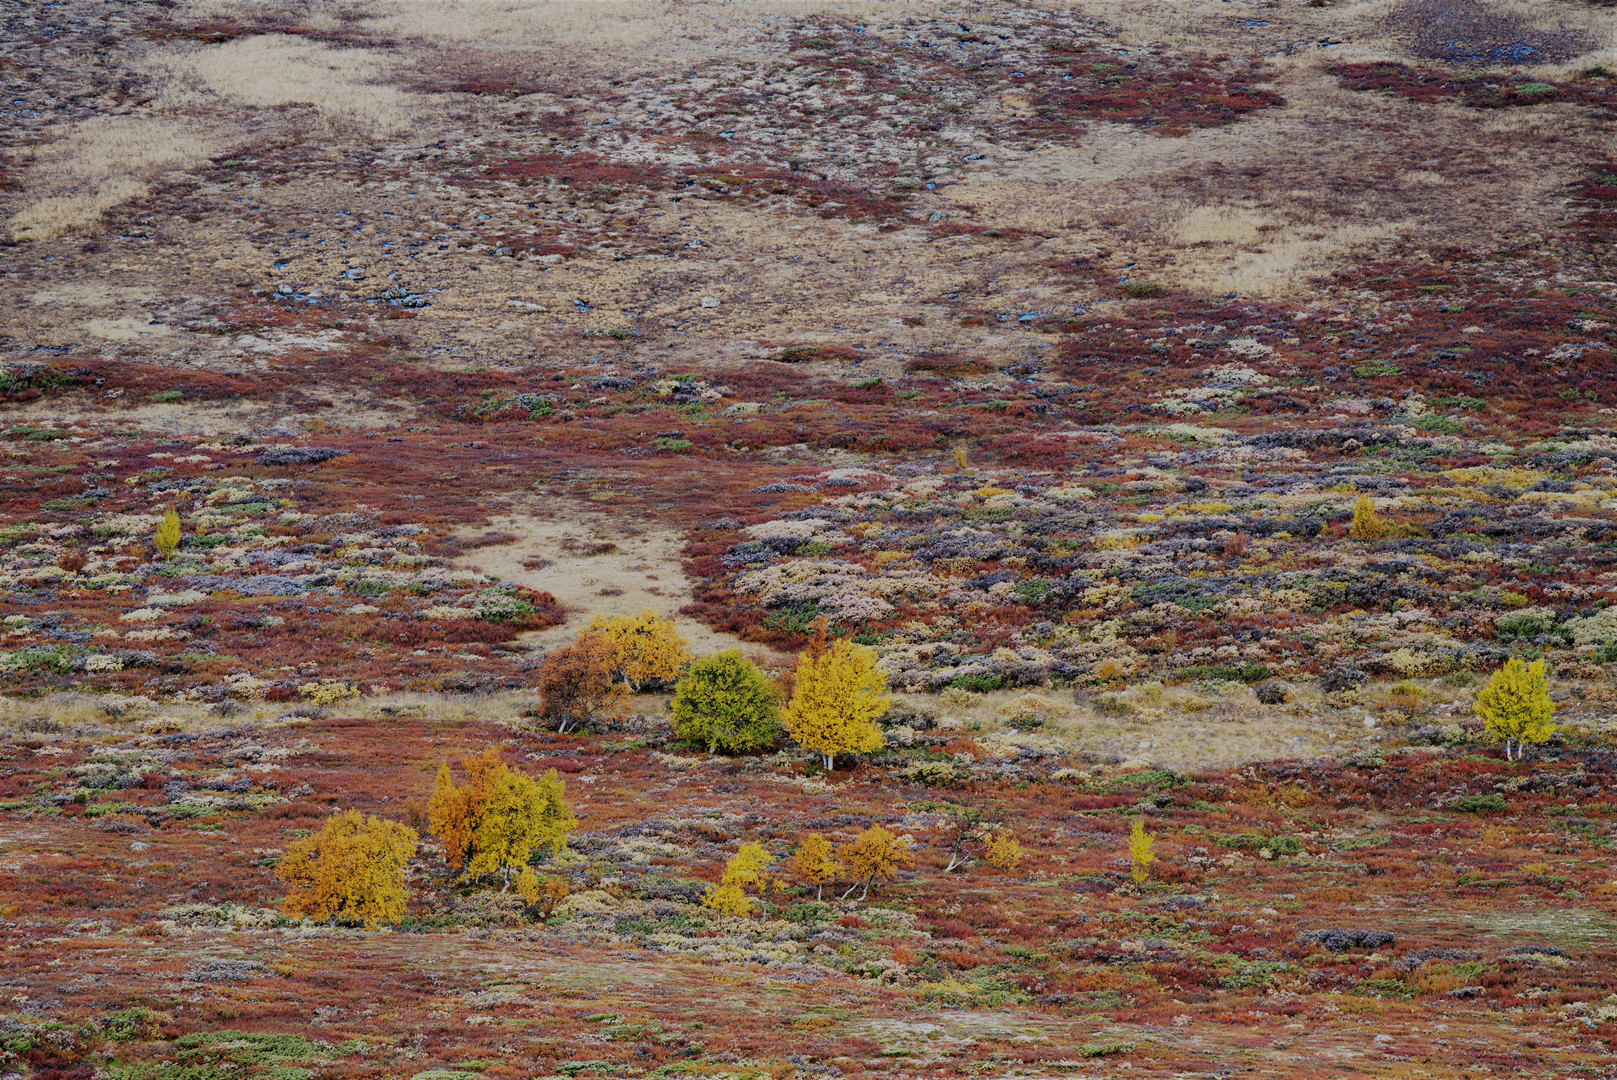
(608, 540)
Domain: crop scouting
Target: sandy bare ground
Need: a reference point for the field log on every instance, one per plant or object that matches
(642, 573)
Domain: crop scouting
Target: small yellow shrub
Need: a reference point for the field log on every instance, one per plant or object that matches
(1141, 855)
(167, 537)
(352, 870)
(1004, 851)
(326, 693)
(1367, 526)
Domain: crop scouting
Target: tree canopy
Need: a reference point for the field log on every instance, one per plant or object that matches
(351, 870)
(836, 698)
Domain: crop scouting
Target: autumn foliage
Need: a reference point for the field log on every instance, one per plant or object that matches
(494, 823)
(837, 695)
(747, 870)
(645, 649)
(1367, 526)
(814, 864)
(576, 685)
(351, 871)
(875, 855)
(1141, 852)
(1515, 705)
(167, 537)
(1004, 851)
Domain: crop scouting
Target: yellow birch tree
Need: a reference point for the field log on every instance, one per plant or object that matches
(814, 863)
(874, 855)
(836, 697)
(352, 870)
(747, 869)
(1515, 706)
(646, 648)
(1367, 526)
(1141, 855)
(167, 537)
(494, 822)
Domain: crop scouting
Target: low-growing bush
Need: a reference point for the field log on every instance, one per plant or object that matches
(727, 703)
(351, 871)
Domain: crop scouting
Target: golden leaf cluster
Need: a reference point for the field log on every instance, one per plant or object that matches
(836, 697)
(493, 823)
(646, 648)
(351, 871)
(1515, 705)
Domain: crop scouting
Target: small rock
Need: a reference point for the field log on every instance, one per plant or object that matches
(710, 301)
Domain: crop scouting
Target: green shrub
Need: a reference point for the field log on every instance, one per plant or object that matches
(1374, 369)
(1036, 590)
(1392, 988)
(1359, 843)
(809, 912)
(1275, 845)
(1439, 425)
(126, 1025)
(726, 703)
(503, 604)
(1525, 624)
(1143, 780)
(1459, 402)
(1104, 1049)
(797, 619)
(57, 658)
(978, 684)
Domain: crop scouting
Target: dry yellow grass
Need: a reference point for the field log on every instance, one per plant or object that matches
(272, 71)
(97, 165)
(1285, 260)
(1222, 224)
